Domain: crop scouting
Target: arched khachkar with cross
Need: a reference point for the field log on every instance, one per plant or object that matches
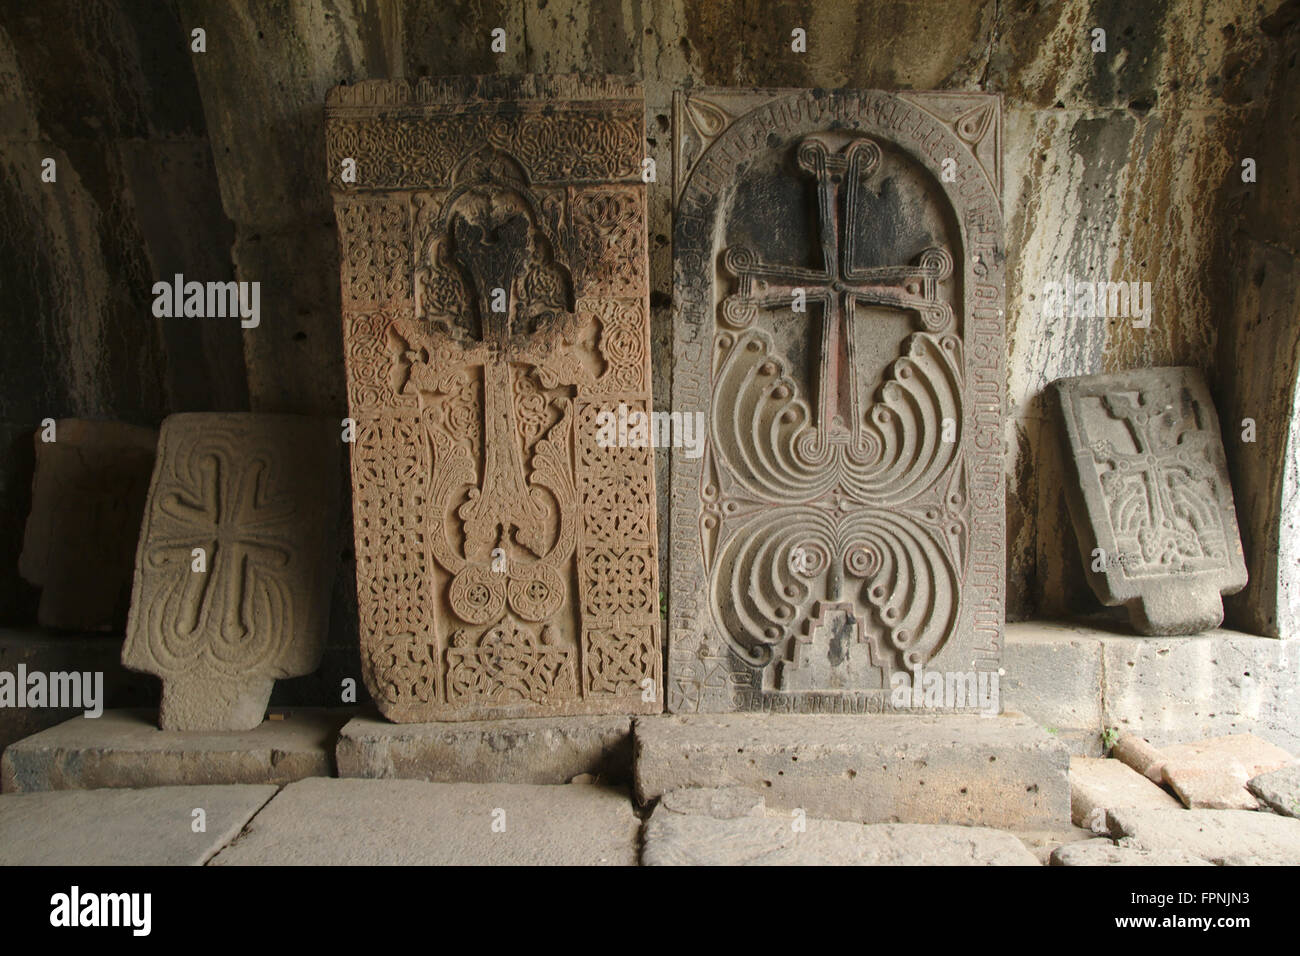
(845, 530)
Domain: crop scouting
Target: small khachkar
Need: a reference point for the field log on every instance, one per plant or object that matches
(1150, 497)
(838, 264)
(496, 319)
(236, 560)
(88, 494)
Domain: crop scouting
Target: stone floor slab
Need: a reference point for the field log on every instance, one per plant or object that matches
(690, 839)
(952, 769)
(543, 750)
(153, 827)
(1212, 774)
(1280, 789)
(1103, 852)
(410, 822)
(1098, 785)
(1224, 837)
(125, 748)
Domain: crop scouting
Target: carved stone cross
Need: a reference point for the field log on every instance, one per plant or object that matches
(840, 286)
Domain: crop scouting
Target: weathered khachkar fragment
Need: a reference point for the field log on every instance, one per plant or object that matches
(88, 495)
(1150, 498)
(839, 320)
(495, 312)
(235, 563)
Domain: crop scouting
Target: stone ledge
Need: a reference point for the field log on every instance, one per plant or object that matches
(125, 748)
(323, 822)
(1002, 772)
(1078, 680)
(541, 750)
(151, 827)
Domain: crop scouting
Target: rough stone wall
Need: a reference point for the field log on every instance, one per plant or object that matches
(1121, 165)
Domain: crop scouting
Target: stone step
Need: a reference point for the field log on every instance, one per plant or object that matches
(1078, 680)
(968, 770)
(150, 827)
(542, 750)
(409, 822)
(778, 839)
(125, 748)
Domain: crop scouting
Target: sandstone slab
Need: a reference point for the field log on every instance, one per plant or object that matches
(323, 822)
(88, 497)
(540, 750)
(125, 748)
(235, 564)
(844, 340)
(997, 771)
(1138, 754)
(1280, 789)
(1150, 497)
(153, 827)
(1224, 837)
(1103, 852)
(497, 328)
(1212, 774)
(1098, 785)
(686, 839)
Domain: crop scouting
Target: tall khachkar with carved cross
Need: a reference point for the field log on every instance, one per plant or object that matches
(840, 320)
(495, 301)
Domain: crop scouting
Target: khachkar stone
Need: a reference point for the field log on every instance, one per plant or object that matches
(88, 495)
(1149, 496)
(235, 564)
(495, 311)
(839, 319)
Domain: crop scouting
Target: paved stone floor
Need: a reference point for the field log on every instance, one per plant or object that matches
(329, 821)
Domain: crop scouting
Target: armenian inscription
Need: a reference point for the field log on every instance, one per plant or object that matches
(839, 317)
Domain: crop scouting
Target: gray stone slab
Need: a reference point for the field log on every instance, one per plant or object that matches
(409, 822)
(1224, 837)
(1053, 674)
(542, 750)
(687, 839)
(1104, 852)
(125, 748)
(1150, 497)
(1078, 680)
(1098, 785)
(1280, 789)
(154, 827)
(1171, 690)
(993, 771)
(725, 803)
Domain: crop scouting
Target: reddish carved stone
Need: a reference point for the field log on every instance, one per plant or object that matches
(495, 305)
